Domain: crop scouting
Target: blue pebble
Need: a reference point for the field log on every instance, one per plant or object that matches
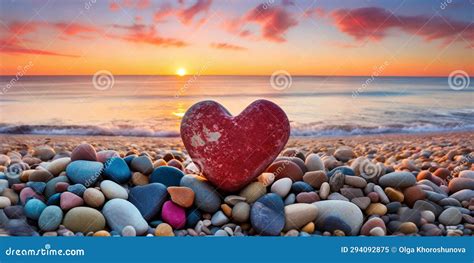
(3, 184)
(3, 176)
(150, 230)
(38, 187)
(205, 195)
(332, 223)
(19, 227)
(50, 218)
(192, 217)
(290, 199)
(214, 229)
(128, 159)
(148, 199)
(13, 178)
(114, 233)
(167, 175)
(84, 172)
(77, 189)
(299, 187)
(54, 199)
(50, 185)
(342, 169)
(3, 218)
(267, 215)
(116, 169)
(14, 212)
(33, 208)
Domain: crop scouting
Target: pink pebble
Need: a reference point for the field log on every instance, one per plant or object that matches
(27, 193)
(173, 215)
(175, 163)
(70, 200)
(84, 152)
(18, 187)
(307, 197)
(374, 197)
(61, 187)
(103, 156)
(372, 223)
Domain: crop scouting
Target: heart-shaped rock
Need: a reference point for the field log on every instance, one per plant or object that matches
(232, 151)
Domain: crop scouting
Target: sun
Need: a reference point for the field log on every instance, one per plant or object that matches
(181, 72)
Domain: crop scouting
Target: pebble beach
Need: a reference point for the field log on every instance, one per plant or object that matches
(378, 185)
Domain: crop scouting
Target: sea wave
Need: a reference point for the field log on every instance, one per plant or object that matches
(297, 129)
(319, 129)
(91, 130)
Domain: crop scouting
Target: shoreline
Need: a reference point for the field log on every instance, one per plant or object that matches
(175, 143)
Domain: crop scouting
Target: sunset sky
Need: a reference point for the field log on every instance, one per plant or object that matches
(411, 38)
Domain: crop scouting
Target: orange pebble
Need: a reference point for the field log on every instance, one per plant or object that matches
(102, 233)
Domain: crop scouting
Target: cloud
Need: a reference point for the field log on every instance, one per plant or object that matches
(21, 28)
(223, 45)
(165, 10)
(187, 15)
(317, 11)
(274, 21)
(115, 5)
(139, 33)
(72, 29)
(17, 31)
(374, 24)
(12, 46)
(21, 50)
(143, 4)
(136, 33)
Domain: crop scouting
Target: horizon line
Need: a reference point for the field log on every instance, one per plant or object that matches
(230, 75)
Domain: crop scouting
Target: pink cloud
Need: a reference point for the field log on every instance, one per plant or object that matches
(143, 4)
(17, 30)
(21, 28)
(72, 29)
(139, 33)
(187, 15)
(127, 3)
(374, 24)
(134, 4)
(317, 11)
(274, 21)
(12, 46)
(223, 45)
(163, 12)
(245, 33)
(21, 50)
(114, 6)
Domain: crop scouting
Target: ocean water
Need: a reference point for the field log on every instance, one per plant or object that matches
(154, 105)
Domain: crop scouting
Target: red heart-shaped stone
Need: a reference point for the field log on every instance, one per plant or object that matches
(232, 151)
